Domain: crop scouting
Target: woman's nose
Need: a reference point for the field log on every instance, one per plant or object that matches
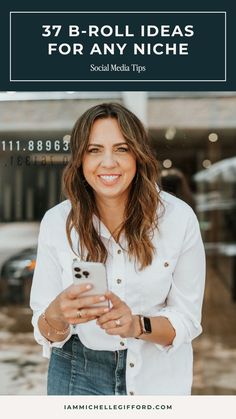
(108, 160)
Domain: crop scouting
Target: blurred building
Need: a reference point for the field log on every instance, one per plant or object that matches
(189, 131)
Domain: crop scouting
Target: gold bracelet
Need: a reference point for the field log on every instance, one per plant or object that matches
(56, 331)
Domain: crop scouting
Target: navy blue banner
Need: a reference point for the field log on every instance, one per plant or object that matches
(75, 46)
(118, 46)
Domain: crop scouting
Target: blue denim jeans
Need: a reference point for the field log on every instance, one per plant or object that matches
(77, 370)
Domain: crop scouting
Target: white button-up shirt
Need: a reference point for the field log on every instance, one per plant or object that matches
(172, 286)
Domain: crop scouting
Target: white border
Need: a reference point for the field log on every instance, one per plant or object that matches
(115, 80)
(183, 407)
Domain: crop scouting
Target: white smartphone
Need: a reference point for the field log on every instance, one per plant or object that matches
(93, 273)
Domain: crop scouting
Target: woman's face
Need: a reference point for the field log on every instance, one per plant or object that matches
(108, 165)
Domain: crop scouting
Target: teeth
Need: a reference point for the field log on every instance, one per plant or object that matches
(109, 177)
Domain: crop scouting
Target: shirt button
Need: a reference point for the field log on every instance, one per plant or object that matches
(119, 252)
(166, 264)
(131, 393)
(119, 281)
(131, 364)
(122, 344)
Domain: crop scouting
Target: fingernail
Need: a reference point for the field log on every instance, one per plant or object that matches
(102, 298)
(106, 310)
(88, 287)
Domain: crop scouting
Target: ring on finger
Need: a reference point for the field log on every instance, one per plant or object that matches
(79, 314)
(118, 322)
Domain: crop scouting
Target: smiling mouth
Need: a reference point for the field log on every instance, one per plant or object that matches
(109, 179)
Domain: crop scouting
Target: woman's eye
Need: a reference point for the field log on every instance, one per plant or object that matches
(122, 149)
(93, 150)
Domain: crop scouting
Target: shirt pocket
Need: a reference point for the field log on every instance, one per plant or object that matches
(156, 283)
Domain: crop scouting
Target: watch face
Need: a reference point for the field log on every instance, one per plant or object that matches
(147, 325)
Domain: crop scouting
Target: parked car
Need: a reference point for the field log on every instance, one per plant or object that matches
(16, 276)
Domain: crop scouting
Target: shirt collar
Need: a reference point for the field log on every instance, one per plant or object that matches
(101, 228)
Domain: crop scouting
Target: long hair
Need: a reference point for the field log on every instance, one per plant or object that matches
(140, 217)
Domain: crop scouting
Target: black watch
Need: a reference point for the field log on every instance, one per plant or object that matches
(145, 326)
(146, 323)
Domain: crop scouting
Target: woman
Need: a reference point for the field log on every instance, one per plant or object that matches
(151, 246)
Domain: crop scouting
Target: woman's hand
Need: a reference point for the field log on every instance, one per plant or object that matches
(119, 320)
(72, 306)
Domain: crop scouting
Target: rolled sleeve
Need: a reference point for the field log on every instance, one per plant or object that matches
(184, 301)
(47, 283)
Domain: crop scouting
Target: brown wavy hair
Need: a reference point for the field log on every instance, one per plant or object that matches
(141, 209)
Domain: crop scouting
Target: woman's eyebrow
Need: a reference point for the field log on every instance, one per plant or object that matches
(114, 145)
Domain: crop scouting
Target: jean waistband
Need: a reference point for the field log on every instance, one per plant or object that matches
(75, 346)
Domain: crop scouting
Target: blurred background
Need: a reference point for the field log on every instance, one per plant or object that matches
(193, 135)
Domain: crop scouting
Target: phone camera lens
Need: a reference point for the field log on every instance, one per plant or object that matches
(77, 275)
(86, 274)
(77, 269)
